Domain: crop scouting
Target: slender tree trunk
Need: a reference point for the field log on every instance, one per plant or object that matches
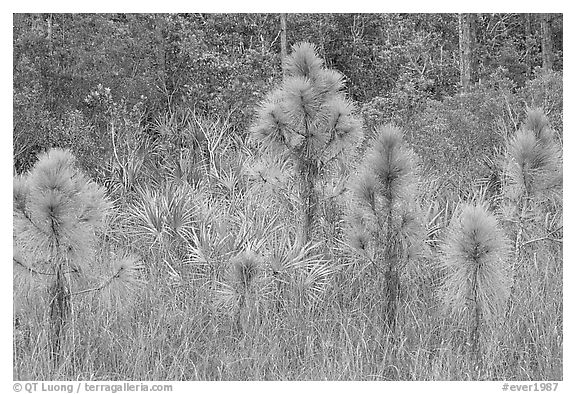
(529, 43)
(466, 37)
(161, 56)
(527, 25)
(309, 205)
(283, 49)
(391, 275)
(392, 278)
(547, 60)
(473, 49)
(59, 311)
(49, 33)
(475, 332)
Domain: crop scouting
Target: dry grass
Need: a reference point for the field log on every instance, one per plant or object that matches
(176, 333)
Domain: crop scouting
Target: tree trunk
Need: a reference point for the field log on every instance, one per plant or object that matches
(309, 205)
(529, 44)
(547, 60)
(527, 25)
(161, 56)
(49, 33)
(59, 312)
(466, 36)
(473, 49)
(283, 49)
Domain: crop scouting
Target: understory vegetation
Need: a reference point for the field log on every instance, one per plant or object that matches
(321, 236)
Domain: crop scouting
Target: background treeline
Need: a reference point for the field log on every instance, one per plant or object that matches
(74, 72)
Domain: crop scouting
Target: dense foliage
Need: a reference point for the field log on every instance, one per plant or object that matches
(222, 65)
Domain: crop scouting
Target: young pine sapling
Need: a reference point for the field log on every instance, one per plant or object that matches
(309, 121)
(57, 213)
(385, 222)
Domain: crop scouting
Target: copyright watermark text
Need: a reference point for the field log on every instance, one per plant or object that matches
(89, 387)
(533, 387)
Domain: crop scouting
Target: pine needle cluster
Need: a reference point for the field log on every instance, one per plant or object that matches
(533, 167)
(57, 212)
(308, 120)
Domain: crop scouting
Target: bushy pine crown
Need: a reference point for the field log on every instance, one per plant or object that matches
(308, 115)
(533, 165)
(57, 211)
(384, 193)
(537, 122)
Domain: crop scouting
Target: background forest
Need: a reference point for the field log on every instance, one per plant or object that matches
(210, 198)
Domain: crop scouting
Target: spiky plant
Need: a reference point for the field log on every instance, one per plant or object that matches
(242, 291)
(57, 214)
(308, 120)
(475, 257)
(385, 221)
(533, 170)
(121, 284)
(299, 275)
(163, 220)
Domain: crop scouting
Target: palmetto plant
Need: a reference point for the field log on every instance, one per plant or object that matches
(164, 220)
(385, 221)
(475, 257)
(308, 121)
(57, 214)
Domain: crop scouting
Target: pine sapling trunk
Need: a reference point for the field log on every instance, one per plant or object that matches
(475, 332)
(309, 205)
(307, 179)
(241, 306)
(391, 275)
(519, 233)
(59, 311)
(392, 279)
(521, 213)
